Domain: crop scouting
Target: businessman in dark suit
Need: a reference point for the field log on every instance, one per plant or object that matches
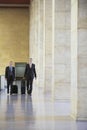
(30, 73)
(9, 75)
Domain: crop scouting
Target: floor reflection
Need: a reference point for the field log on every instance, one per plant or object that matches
(10, 107)
(36, 112)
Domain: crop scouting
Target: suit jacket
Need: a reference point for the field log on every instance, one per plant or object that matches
(30, 72)
(9, 73)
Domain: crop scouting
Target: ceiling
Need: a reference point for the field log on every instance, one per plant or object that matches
(6, 2)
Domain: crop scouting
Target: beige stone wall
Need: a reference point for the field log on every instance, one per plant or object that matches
(14, 36)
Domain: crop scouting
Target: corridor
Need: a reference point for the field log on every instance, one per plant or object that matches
(36, 112)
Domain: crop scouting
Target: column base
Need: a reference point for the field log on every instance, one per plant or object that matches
(75, 117)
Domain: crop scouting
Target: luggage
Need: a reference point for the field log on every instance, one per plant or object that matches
(14, 89)
(29, 92)
(22, 86)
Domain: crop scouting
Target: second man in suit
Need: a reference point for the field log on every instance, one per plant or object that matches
(30, 73)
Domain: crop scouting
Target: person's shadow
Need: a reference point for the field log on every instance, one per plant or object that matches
(28, 110)
(23, 102)
(10, 115)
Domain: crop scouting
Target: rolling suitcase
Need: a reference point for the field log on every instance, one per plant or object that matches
(22, 86)
(14, 89)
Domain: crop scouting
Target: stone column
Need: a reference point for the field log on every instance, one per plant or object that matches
(36, 40)
(53, 43)
(79, 59)
(40, 44)
(82, 60)
(74, 15)
(33, 33)
(48, 45)
(62, 58)
(32, 29)
(44, 43)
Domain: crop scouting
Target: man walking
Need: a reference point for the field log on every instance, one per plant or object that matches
(9, 75)
(30, 73)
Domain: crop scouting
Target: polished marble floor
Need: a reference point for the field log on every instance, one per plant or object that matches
(36, 112)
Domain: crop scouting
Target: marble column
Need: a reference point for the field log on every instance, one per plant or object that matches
(79, 59)
(62, 58)
(82, 60)
(36, 38)
(31, 29)
(74, 15)
(33, 33)
(48, 45)
(40, 44)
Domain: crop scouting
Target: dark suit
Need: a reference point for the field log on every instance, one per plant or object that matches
(9, 75)
(29, 74)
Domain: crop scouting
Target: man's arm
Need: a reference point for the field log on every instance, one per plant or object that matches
(25, 71)
(14, 71)
(35, 72)
(6, 72)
